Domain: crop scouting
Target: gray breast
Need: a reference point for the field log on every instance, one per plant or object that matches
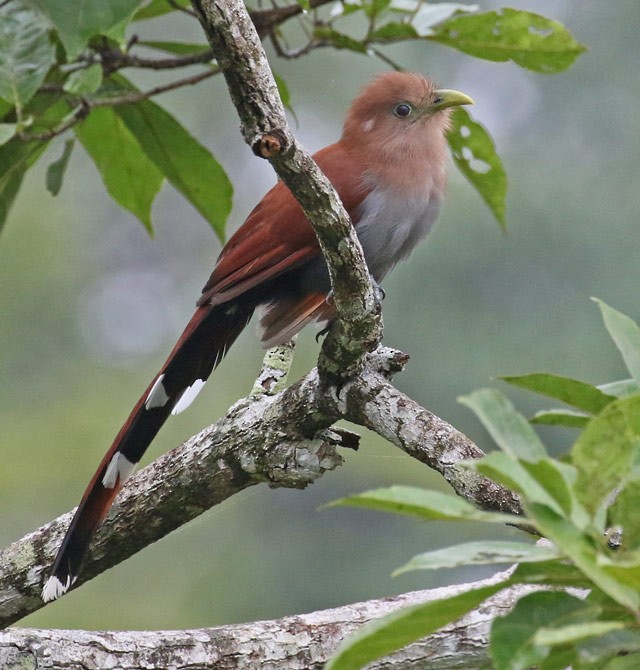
(390, 227)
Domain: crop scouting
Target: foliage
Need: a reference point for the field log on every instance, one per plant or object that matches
(59, 75)
(587, 506)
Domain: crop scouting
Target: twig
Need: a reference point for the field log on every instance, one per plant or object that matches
(115, 59)
(87, 104)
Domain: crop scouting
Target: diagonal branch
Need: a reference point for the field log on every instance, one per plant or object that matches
(284, 440)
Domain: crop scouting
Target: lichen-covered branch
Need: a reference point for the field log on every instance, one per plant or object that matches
(284, 440)
(371, 400)
(262, 439)
(293, 642)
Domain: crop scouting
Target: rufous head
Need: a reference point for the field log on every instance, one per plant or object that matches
(399, 113)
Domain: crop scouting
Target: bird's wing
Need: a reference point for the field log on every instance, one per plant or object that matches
(277, 237)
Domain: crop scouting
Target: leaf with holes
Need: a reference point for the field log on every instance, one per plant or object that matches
(529, 40)
(475, 155)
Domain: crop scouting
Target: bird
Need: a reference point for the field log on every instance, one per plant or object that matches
(389, 169)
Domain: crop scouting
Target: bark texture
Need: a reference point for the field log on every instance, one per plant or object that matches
(301, 642)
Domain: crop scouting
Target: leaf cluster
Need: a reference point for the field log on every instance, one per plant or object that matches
(586, 505)
(60, 77)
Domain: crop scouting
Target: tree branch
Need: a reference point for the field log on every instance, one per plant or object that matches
(293, 642)
(284, 440)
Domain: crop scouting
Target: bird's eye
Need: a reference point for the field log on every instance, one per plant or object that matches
(402, 110)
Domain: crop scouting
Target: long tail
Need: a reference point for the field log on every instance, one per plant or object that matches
(202, 345)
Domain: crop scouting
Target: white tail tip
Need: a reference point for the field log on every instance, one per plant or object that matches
(54, 588)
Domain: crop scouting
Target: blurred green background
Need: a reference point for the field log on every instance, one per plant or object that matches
(90, 305)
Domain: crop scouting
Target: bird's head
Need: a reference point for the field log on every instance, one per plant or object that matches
(400, 112)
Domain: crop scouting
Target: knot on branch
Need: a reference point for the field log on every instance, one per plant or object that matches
(270, 144)
(308, 460)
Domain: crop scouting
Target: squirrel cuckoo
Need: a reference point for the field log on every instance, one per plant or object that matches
(389, 170)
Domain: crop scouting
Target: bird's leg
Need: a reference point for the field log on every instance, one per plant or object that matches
(378, 291)
(324, 331)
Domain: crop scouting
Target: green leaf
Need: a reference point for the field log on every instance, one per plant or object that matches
(559, 481)
(475, 155)
(178, 48)
(10, 182)
(571, 391)
(130, 177)
(159, 7)
(631, 662)
(85, 81)
(393, 32)
(423, 504)
(610, 644)
(26, 53)
(56, 170)
(550, 573)
(606, 450)
(513, 637)
(625, 512)
(77, 21)
(573, 633)
(7, 131)
(529, 40)
(623, 566)
(510, 430)
(560, 417)
(373, 8)
(403, 627)
(582, 551)
(478, 553)
(339, 40)
(626, 334)
(511, 473)
(189, 166)
(16, 157)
